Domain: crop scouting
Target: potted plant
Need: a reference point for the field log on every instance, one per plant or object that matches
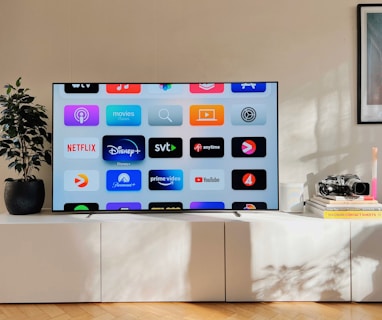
(25, 142)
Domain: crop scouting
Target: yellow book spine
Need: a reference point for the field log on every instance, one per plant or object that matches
(348, 214)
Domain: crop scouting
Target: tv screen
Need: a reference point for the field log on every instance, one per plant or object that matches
(165, 147)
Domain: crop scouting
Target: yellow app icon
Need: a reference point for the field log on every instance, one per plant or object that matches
(206, 115)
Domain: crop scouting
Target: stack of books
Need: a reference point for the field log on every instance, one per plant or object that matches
(342, 207)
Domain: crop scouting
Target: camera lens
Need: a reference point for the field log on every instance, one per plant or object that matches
(361, 188)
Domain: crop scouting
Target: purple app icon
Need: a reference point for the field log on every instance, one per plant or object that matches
(81, 115)
(123, 206)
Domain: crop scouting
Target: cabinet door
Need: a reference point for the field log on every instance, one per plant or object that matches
(50, 262)
(163, 261)
(288, 260)
(366, 262)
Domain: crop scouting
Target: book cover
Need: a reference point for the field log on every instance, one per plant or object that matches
(366, 205)
(346, 200)
(345, 214)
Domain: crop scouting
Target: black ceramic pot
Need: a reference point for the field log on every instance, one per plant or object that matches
(24, 197)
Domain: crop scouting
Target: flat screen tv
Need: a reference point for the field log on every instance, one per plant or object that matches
(165, 147)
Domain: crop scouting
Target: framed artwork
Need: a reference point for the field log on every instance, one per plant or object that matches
(369, 86)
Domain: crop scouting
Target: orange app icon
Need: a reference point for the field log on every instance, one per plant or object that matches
(123, 88)
(207, 115)
(81, 180)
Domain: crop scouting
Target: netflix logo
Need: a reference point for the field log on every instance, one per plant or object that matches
(81, 148)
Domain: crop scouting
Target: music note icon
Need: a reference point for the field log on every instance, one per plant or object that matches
(123, 86)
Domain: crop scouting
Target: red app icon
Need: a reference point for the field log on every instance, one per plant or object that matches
(248, 147)
(81, 180)
(123, 88)
(206, 87)
(248, 179)
(198, 179)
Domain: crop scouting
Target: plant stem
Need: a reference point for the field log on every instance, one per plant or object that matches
(24, 157)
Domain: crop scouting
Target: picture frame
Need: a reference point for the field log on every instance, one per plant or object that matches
(369, 82)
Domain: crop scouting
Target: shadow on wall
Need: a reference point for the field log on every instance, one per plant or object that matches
(319, 118)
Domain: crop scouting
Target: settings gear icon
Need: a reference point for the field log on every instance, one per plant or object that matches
(248, 114)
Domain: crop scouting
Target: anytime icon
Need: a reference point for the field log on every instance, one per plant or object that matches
(207, 147)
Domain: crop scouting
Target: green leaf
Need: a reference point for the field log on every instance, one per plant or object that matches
(48, 157)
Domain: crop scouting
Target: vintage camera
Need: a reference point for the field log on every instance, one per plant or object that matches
(343, 185)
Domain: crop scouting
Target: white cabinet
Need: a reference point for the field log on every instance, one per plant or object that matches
(280, 257)
(163, 258)
(49, 261)
(366, 252)
(269, 256)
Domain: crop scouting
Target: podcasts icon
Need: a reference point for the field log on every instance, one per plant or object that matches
(81, 115)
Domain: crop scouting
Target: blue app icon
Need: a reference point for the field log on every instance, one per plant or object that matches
(123, 115)
(123, 180)
(248, 87)
(123, 148)
(165, 179)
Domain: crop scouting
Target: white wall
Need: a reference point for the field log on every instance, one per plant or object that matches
(309, 46)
